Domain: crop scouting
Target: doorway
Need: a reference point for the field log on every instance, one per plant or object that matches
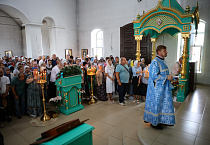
(128, 44)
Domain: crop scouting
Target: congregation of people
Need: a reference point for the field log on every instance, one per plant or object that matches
(21, 94)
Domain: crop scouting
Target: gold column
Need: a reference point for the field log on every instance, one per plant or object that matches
(153, 40)
(138, 39)
(186, 37)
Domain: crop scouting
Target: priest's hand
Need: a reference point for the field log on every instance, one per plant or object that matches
(170, 77)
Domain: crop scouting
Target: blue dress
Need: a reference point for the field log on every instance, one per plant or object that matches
(159, 103)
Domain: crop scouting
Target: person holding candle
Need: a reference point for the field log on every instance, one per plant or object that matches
(34, 103)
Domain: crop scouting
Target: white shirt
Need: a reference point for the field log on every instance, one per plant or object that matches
(40, 62)
(54, 73)
(4, 81)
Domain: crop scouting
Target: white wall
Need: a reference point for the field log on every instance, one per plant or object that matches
(171, 44)
(108, 15)
(10, 35)
(62, 12)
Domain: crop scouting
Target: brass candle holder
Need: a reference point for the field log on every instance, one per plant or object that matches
(41, 79)
(91, 73)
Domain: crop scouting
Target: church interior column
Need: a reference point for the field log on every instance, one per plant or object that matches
(183, 81)
(138, 39)
(33, 36)
(52, 40)
(185, 55)
(153, 40)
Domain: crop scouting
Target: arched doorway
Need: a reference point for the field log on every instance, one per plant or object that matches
(48, 36)
(12, 32)
(128, 44)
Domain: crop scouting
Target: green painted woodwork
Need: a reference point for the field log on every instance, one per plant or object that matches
(81, 135)
(168, 17)
(71, 97)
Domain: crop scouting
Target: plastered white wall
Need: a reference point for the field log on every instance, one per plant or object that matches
(10, 36)
(63, 13)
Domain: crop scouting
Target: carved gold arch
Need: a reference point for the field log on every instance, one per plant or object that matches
(160, 31)
(162, 13)
(163, 8)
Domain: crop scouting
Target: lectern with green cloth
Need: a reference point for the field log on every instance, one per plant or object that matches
(81, 135)
(168, 17)
(68, 87)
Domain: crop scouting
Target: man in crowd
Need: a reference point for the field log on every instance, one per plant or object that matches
(18, 89)
(177, 67)
(49, 67)
(4, 96)
(54, 60)
(159, 104)
(19, 69)
(53, 77)
(122, 74)
(42, 60)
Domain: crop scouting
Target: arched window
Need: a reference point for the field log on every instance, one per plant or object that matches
(97, 43)
(196, 45)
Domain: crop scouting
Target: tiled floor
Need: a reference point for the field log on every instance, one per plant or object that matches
(117, 125)
(192, 123)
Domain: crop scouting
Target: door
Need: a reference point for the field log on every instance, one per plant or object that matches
(128, 44)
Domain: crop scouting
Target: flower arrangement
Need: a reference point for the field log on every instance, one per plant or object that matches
(70, 71)
(56, 103)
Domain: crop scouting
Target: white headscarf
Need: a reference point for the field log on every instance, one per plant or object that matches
(136, 63)
(26, 67)
(110, 67)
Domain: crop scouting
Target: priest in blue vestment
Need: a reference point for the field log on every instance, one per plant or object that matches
(159, 107)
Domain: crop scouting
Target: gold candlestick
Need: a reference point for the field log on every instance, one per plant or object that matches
(42, 81)
(91, 73)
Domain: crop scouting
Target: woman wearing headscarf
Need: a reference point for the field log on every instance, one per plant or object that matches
(137, 72)
(27, 71)
(34, 103)
(110, 86)
(144, 84)
(143, 65)
(130, 78)
(100, 77)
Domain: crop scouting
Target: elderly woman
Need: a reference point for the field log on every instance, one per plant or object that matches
(34, 103)
(100, 77)
(137, 72)
(143, 65)
(110, 86)
(144, 79)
